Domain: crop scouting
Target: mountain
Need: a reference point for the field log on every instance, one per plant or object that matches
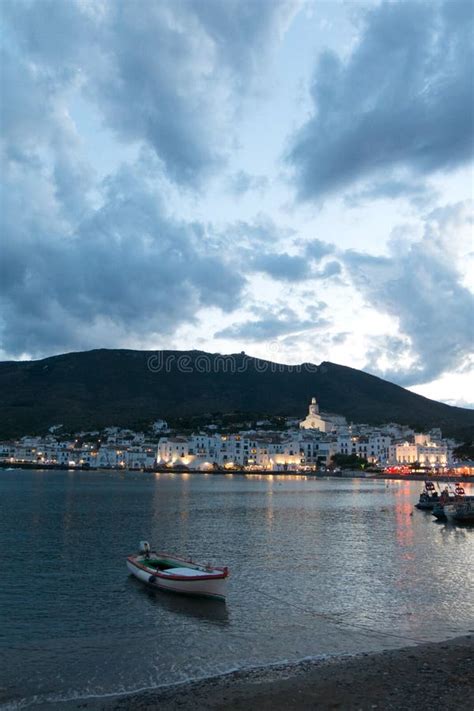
(97, 388)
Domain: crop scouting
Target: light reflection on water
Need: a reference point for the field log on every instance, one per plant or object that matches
(317, 567)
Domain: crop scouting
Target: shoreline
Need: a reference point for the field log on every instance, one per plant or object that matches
(348, 474)
(419, 677)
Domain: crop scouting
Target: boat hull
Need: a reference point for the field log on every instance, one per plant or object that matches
(460, 513)
(439, 513)
(426, 505)
(210, 586)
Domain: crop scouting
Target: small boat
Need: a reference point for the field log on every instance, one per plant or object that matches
(460, 511)
(449, 497)
(428, 497)
(167, 572)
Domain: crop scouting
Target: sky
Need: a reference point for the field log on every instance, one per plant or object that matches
(288, 178)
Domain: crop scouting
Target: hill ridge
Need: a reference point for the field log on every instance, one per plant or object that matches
(100, 387)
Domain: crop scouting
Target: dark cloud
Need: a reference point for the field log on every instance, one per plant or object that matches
(86, 263)
(166, 77)
(240, 29)
(420, 286)
(418, 193)
(245, 239)
(282, 266)
(402, 100)
(330, 269)
(338, 338)
(317, 249)
(126, 271)
(271, 324)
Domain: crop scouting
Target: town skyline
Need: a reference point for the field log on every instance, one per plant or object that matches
(319, 441)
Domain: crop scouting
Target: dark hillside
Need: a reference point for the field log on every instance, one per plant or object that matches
(122, 387)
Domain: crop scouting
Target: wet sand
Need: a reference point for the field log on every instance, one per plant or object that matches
(422, 678)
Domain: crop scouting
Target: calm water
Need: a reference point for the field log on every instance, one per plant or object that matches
(317, 567)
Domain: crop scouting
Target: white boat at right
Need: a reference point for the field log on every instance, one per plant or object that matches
(460, 511)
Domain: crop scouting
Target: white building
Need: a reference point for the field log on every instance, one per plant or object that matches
(111, 457)
(422, 451)
(159, 426)
(322, 421)
(140, 457)
(272, 451)
(397, 431)
(201, 451)
(373, 446)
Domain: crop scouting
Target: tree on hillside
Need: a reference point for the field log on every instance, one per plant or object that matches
(465, 451)
(348, 461)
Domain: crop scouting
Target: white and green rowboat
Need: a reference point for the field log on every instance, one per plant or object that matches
(168, 572)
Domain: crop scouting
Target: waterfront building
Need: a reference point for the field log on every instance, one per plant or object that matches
(373, 445)
(7, 451)
(140, 457)
(110, 457)
(269, 451)
(201, 451)
(422, 451)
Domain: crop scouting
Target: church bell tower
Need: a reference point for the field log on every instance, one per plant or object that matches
(314, 407)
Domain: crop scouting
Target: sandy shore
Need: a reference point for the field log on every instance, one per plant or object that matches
(425, 677)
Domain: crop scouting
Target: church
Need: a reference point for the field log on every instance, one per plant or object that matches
(322, 421)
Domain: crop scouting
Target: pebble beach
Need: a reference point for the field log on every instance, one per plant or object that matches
(423, 677)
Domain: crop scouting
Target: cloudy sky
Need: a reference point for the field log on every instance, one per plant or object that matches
(292, 179)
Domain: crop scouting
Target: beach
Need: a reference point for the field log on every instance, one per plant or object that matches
(427, 676)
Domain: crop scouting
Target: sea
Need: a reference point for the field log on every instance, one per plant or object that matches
(318, 567)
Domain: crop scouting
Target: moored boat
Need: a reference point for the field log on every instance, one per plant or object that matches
(460, 511)
(447, 498)
(428, 497)
(438, 511)
(168, 572)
